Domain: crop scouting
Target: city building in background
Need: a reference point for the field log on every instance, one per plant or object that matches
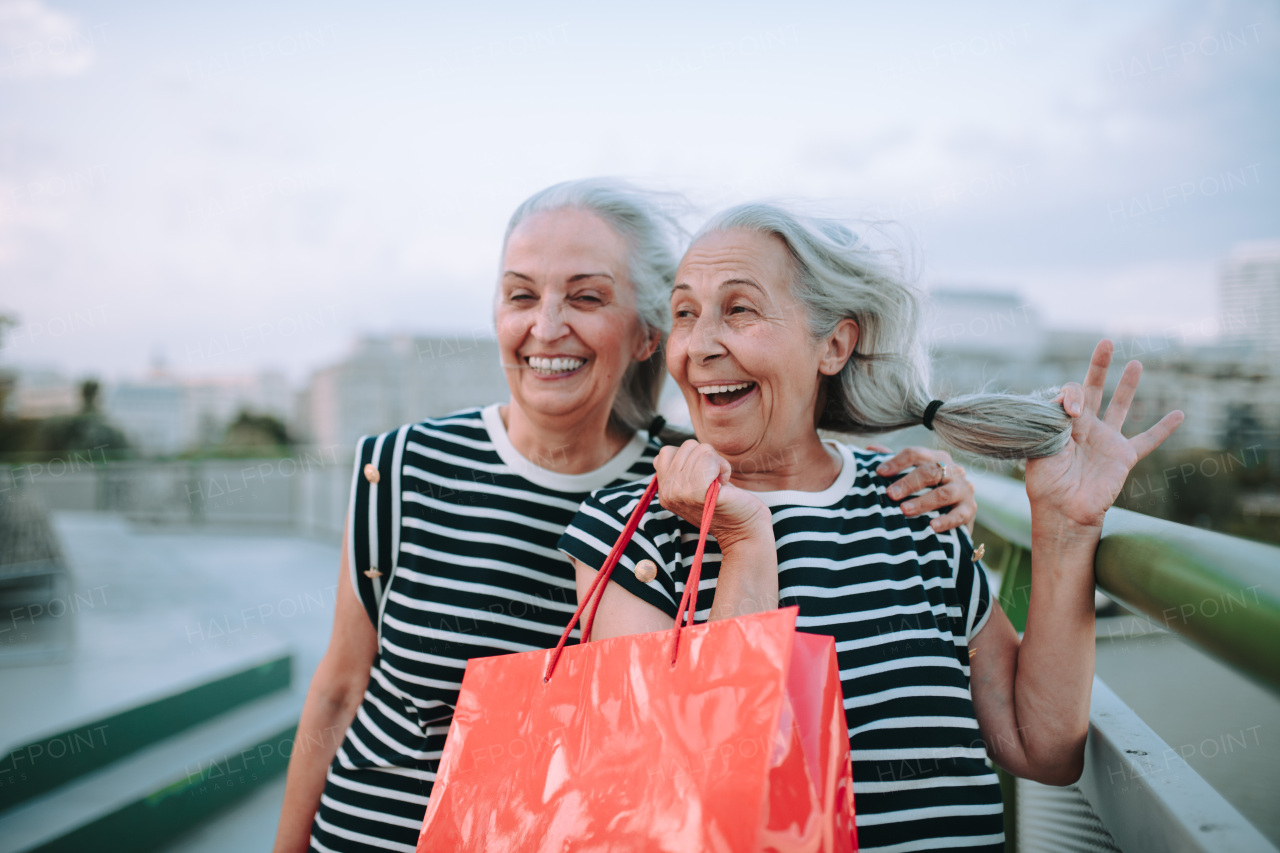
(387, 381)
(1228, 385)
(1249, 298)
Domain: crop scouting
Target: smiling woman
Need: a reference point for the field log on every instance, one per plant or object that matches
(781, 326)
(476, 501)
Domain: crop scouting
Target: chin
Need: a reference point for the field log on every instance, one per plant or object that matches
(727, 442)
(554, 403)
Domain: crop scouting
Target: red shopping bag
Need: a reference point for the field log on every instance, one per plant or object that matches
(726, 736)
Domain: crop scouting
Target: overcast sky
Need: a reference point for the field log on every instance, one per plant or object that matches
(244, 185)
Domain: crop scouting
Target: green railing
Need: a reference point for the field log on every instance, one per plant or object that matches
(1220, 592)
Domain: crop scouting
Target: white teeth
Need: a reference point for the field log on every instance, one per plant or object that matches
(555, 365)
(723, 389)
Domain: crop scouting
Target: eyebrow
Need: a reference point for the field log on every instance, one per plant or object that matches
(573, 278)
(726, 283)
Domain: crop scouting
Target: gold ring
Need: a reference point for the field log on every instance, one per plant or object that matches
(942, 471)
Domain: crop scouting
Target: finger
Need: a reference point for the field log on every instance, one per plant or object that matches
(1095, 380)
(943, 496)
(662, 462)
(1145, 442)
(1118, 408)
(912, 483)
(879, 448)
(950, 521)
(901, 461)
(683, 452)
(715, 464)
(1072, 396)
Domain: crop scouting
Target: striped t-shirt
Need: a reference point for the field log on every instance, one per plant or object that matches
(476, 572)
(902, 603)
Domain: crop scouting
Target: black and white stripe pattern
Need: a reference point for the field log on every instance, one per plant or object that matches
(902, 603)
(474, 529)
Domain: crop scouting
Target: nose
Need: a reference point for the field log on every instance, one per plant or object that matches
(704, 339)
(550, 324)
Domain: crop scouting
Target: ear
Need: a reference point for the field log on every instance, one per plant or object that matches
(838, 347)
(648, 346)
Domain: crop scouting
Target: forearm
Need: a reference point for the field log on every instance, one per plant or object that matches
(748, 578)
(1054, 668)
(324, 723)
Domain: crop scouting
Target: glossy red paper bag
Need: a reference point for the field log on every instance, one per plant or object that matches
(727, 736)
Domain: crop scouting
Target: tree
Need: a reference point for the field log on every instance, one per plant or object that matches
(254, 433)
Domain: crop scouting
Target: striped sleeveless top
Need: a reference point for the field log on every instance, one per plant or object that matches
(453, 553)
(902, 603)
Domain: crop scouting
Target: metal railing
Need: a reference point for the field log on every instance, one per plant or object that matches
(1220, 593)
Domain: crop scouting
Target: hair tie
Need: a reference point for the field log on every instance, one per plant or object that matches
(656, 425)
(929, 411)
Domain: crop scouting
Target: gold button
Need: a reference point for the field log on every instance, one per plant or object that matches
(646, 570)
(371, 473)
(372, 572)
(980, 550)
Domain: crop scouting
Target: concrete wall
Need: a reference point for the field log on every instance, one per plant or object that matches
(306, 493)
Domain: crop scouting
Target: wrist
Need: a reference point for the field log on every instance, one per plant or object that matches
(1063, 529)
(753, 535)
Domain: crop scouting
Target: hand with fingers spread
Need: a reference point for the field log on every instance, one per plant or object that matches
(1078, 484)
(934, 470)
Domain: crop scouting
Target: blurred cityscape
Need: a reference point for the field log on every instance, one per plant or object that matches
(1220, 470)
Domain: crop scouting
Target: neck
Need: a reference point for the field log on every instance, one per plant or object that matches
(805, 465)
(566, 444)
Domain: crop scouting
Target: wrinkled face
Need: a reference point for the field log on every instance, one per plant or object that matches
(566, 314)
(740, 346)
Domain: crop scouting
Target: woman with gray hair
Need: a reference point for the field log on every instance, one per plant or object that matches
(783, 325)
(450, 550)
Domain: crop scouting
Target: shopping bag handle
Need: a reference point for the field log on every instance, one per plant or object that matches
(688, 602)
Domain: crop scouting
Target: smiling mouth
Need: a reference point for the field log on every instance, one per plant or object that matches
(723, 395)
(554, 366)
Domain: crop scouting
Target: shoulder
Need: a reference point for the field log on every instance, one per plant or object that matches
(641, 468)
(620, 499)
(865, 464)
(463, 423)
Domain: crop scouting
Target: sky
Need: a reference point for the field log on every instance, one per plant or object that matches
(236, 186)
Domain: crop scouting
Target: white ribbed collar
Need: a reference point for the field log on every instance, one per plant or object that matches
(590, 481)
(830, 495)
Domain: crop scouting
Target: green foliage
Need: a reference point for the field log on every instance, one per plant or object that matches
(251, 436)
(38, 439)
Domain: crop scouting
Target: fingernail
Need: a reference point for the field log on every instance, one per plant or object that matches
(909, 506)
(882, 468)
(894, 492)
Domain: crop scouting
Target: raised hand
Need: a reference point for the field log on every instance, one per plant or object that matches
(1079, 483)
(685, 473)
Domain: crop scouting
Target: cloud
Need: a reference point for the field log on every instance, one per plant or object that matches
(36, 41)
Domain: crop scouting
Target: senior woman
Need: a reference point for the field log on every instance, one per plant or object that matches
(484, 495)
(783, 325)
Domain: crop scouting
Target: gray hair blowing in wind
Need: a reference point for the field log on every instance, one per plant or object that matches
(884, 385)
